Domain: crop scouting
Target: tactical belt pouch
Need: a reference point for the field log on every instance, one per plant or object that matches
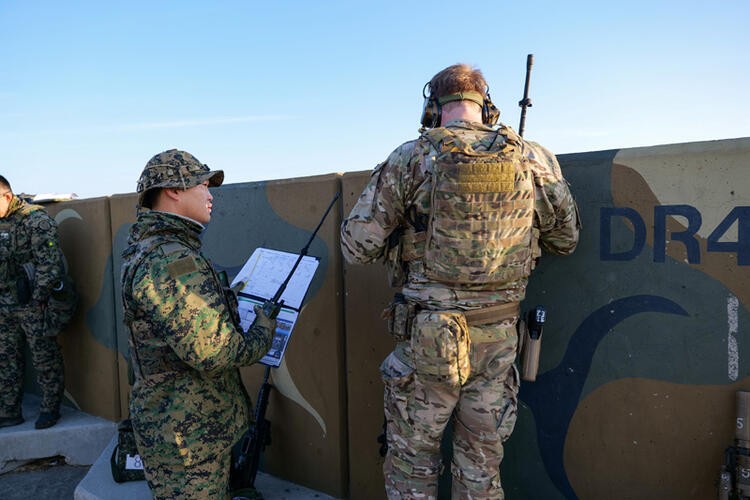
(23, 290)
(125, 461)
(394, 266)
(399, 315)
(440, 346)
(61, 306)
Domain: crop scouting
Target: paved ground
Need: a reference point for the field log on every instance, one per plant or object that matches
(84, 439)
(52, 479)
(48, 478)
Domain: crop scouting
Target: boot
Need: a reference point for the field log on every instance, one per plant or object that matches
(10, 421)
(47, 419)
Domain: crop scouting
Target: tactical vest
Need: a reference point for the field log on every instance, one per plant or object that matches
(9, 238)
(15, 252)
(479, 228)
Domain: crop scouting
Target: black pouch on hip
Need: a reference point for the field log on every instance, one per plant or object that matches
(23, 289)
(399, 315)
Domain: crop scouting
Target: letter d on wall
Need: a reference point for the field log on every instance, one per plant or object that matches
(605, 233)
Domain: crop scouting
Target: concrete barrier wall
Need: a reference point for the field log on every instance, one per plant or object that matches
(644, 346)
(642, 352)
(88, 344)
(307, 407)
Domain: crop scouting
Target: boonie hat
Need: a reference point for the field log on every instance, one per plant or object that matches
(175, 169)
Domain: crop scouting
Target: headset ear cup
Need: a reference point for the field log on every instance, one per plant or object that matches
(490, 113)
(430, 113)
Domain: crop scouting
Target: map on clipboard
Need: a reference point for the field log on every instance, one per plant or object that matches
(263, 274)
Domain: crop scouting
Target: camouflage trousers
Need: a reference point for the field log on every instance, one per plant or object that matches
(172, 475)
(481, 403)
(27, 323)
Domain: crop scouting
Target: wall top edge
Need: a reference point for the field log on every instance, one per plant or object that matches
(731, 145)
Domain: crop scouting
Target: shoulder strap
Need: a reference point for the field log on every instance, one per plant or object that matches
(28, 208)
(439, 138)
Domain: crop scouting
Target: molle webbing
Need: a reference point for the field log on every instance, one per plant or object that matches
(481, 212)
(485, 175)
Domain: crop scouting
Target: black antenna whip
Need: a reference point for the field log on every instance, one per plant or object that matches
(525, 102)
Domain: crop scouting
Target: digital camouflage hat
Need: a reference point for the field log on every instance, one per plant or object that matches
(175, 169)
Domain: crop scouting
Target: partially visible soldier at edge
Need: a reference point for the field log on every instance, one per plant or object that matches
(31, 266)
(458, 215)
(188, 405)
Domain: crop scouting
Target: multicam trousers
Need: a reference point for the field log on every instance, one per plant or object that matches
(482, 405)
(17, 324)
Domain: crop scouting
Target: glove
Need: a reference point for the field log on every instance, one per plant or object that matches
(262, 323)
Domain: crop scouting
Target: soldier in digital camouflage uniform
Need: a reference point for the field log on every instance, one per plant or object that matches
(458, 215)
(31, 266)
(187, 404)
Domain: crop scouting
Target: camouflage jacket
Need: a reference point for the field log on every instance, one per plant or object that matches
(399, 193)
(28, 235)
(185, 345)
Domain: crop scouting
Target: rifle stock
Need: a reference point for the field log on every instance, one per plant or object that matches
(261, 435)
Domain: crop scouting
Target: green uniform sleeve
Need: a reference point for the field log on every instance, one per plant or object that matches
(180, 293)
(46, 254)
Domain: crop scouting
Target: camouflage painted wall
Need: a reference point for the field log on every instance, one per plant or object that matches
(88, 344)
(642, 353)
(644, 346)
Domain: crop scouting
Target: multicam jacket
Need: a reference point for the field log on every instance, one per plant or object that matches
(398, 197)
(28, 235)
(187, 400)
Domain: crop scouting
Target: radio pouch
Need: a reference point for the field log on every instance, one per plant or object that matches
(399, 315)
(125, 461)
(440, 346)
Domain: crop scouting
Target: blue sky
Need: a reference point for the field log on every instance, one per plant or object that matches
(89, 91)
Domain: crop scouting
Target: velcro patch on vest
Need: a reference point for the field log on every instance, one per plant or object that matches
(182, 266)
(494, 177)
(171, 247)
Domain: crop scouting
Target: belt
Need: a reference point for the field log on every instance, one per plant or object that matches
(492, 314)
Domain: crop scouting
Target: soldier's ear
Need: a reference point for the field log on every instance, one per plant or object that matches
(172, 193)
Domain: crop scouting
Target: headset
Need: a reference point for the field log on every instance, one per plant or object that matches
(433, 106)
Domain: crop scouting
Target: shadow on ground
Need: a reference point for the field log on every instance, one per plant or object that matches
(44, 478)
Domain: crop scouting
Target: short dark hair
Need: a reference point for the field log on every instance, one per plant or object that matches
(5, 184)
(149, 197)
(457, 78)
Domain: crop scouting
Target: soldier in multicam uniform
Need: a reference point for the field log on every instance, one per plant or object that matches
(31, 266)
(188, 405)
(458, 215)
